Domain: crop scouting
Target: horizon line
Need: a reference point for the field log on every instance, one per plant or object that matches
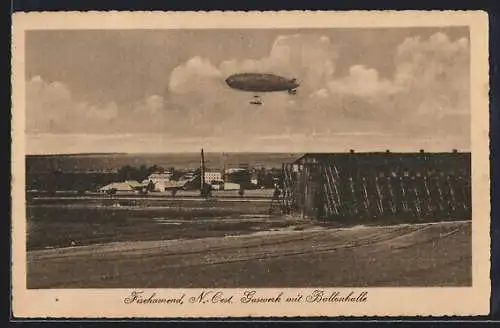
(252, 152)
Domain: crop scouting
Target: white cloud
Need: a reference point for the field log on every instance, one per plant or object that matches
(51, 107)
(429, 85)
(310, 58)
(321, 93)
(153, 104)
(196, 74)
(363, 81)
(106, 112)
(434, 77)
(437, 59)
(427, 93)
(198, 87)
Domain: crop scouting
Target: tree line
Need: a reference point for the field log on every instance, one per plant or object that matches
(58, 180)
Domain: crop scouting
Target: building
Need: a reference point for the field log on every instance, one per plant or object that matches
(231, 186)
(135, 184)
(213, 176)
(187, 176)
(128, 187)
(377, 186)
(217, 185)
(160, 177)
(235, 170)
(240, 176)
(168, 185)
(160, 180)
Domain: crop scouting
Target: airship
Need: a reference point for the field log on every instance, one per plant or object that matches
(261, 82)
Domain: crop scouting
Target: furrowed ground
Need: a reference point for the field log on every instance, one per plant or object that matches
(231, 245)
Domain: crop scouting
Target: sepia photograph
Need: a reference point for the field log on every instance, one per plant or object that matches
(314, 161)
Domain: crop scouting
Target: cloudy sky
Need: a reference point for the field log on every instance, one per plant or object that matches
(163, 90)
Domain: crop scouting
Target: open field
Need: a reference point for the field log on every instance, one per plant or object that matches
(66, 222)
(234, 245)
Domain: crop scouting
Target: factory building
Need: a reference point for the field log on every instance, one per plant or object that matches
(213, 176)
(374, 186)
(159, 180)
(160, 177)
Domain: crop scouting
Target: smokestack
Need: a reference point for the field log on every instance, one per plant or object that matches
(202, 171)
(224, 166)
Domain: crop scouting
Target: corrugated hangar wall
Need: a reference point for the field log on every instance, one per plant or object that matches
(370, 187)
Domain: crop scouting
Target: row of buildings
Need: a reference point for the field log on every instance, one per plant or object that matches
(369, 187)
(229, 179)
(233, 178)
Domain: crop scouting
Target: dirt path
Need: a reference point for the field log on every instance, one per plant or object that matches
(402, 255)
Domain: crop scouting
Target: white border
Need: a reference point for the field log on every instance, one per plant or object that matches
(94, 303)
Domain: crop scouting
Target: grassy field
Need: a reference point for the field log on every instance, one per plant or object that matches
(297, 256)
(59, 223)
(87, 242)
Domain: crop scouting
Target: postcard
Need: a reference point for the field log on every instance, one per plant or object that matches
(250, 164)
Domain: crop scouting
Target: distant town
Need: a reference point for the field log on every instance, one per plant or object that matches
(155, 179)
(161, 180)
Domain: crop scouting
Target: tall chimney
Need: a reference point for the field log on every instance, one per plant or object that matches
(224, 166)
(202, 172)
